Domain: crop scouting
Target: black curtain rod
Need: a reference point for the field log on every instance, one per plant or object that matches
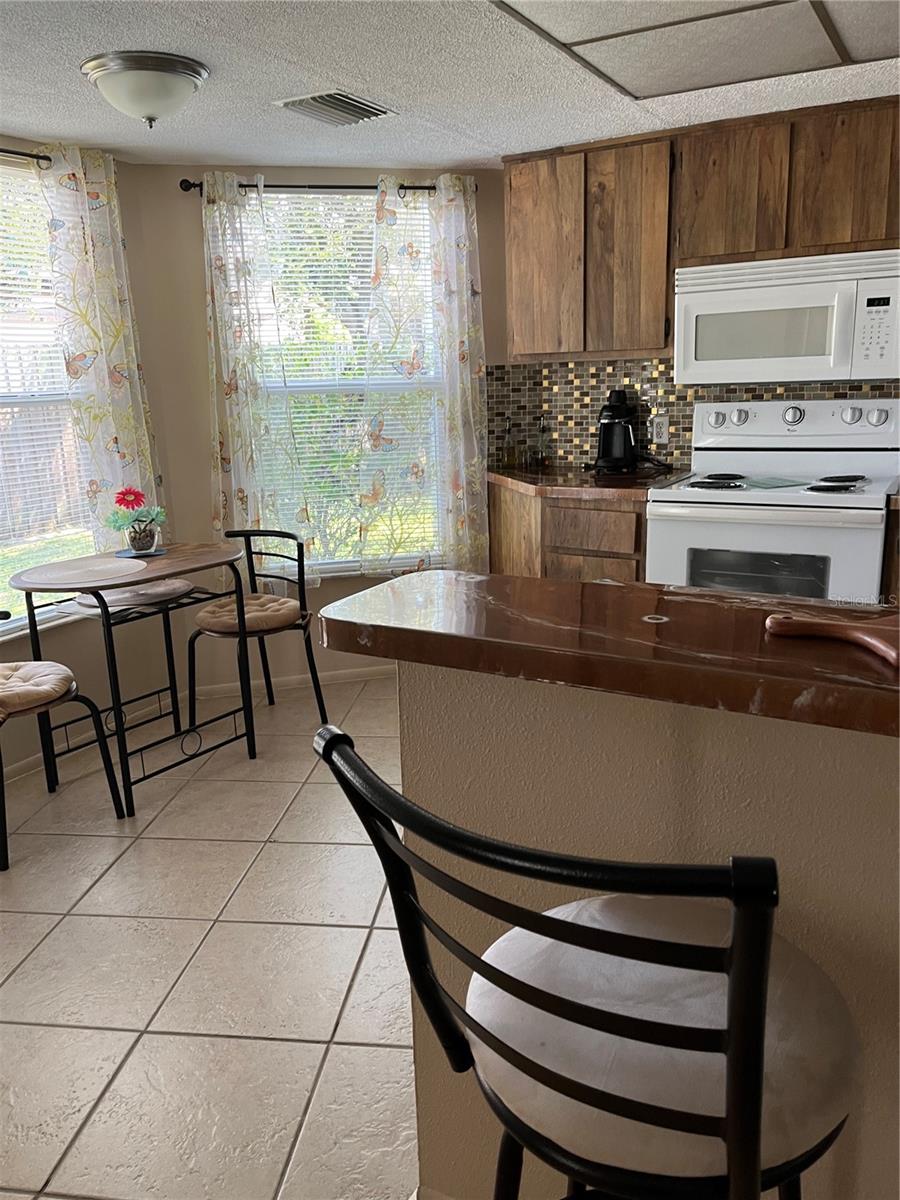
(191, 185)
(23, 154)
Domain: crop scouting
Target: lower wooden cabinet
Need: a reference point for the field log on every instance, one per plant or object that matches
(590, 567)
(562, 537)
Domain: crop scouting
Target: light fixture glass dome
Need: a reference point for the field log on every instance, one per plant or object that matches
(144, 84)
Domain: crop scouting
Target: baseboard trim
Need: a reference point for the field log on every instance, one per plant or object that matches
(34, 762)
(348, 675)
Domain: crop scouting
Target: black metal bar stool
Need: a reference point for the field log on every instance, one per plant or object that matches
(265, 614)
(30, 688)
(653, 1043)
(151, 597)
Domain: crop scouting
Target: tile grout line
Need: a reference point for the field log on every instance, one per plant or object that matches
(285, 1170)
(304, 1113)
(130, 841)
(292, 1149)
(60, 918)
(175, 838)
(51, 796)
(140, 1036)
(286, 1165)
(193, 1033)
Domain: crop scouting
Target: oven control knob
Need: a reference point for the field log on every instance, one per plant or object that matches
(792, 415)
(716, 419)
(851, 415)
(739, 416)
(877, 416)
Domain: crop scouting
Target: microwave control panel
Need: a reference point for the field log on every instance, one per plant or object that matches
(876, 334)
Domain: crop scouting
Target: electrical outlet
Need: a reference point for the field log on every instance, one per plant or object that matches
(659, 429)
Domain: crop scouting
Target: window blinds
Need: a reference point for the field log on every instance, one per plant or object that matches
(31, 362)
(314, 331)
(44, 510)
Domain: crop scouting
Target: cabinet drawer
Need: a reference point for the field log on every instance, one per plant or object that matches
(586, 567)
(590, 529)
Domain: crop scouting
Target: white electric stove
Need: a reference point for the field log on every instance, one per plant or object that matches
(784, 499)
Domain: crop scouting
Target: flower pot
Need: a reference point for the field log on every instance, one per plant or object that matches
(142, 539)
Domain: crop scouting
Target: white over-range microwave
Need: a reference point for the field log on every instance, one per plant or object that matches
(828, 316)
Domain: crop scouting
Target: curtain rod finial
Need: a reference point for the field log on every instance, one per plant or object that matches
(188, 185)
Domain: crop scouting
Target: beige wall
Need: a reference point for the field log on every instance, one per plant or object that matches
(580, 771)
(163, 232)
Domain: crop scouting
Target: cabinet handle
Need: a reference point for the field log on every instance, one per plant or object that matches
(667, 328)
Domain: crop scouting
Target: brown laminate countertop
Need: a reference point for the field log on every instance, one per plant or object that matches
(578, 485)
(681, 645)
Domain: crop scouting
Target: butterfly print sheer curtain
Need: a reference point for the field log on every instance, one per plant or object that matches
(97, 330)
(256, 473)
(423, 487)
(403, 485)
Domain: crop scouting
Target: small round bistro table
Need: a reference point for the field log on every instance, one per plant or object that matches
(95, 574)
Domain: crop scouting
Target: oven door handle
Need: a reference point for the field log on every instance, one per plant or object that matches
(747, 514)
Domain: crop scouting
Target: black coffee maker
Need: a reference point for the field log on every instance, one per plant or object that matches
(616, 451)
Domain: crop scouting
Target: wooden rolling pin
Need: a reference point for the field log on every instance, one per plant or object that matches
(881, 636)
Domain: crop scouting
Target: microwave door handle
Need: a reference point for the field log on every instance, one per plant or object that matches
(844, 329)
(740, 514)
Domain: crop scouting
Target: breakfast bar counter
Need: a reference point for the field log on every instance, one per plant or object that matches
(680, 645)
(653, 725)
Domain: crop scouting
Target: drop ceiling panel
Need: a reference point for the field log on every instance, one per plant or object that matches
(577, 20)
(870, 29)
(745, 45)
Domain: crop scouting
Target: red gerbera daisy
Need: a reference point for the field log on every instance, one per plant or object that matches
(130, 498)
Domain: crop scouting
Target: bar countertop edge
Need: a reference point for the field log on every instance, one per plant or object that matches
(678, 645)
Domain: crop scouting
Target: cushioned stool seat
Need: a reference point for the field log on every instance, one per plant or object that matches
(28, 685)
(151, 593)
(810, 1048)
(261, 611)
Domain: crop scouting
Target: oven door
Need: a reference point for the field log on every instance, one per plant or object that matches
(776, 333)
(822, 553)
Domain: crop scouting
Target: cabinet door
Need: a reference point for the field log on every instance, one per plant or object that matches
(626, 254)
(594, 529)
(588, 568)
(732, 191)
(545, 255)
(515, 532)
(844, 178)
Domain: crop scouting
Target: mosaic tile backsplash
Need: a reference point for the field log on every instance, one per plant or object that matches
(570, 395)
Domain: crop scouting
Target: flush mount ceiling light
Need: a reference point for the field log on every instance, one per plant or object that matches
(144, 84)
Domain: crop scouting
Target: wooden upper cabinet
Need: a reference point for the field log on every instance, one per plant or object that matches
(627, 244)
(844, 173)
(732, 191)
(545, 255)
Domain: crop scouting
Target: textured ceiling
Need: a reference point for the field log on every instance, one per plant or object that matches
(468, 83)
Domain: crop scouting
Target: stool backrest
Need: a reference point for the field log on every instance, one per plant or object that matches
(750, 884)
(253, 551)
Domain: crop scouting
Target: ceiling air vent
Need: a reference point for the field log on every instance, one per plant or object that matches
(336, 108)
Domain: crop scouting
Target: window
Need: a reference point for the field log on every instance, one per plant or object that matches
(314, 336)
(44, 511)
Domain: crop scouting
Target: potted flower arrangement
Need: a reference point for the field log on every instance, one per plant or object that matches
(138, 521)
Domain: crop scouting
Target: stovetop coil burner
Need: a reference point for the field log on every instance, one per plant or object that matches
(725, 476)
(841, 479)
(832, 488)
(712, 484)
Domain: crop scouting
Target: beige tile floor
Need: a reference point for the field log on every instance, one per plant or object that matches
(208, 1001)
